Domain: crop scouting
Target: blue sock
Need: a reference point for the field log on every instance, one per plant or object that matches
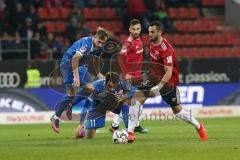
(125, 111)
(62, 105)
(84, 110)
(82, 95)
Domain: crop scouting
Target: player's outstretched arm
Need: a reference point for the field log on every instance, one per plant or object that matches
(167, 76)
(75, 61)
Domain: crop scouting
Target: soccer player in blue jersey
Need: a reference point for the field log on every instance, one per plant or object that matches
(75, 72)
(108, 95)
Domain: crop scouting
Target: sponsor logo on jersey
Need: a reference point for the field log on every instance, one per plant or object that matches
(164, 47)
(169, 59)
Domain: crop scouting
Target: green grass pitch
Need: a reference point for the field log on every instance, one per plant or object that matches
(167, 140)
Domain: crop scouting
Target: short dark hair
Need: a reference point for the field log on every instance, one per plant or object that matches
(102, 33)
(134, 22)
(112, 76)
(158, 25)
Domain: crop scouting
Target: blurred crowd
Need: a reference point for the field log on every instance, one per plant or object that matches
(20, 19)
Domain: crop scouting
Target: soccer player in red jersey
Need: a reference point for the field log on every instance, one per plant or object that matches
(164, 78)
(130, 62)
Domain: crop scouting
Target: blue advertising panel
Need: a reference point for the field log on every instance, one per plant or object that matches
(190, 95)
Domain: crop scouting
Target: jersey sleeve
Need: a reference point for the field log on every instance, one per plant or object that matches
(83, 47)
(168, 57)
(98, 85)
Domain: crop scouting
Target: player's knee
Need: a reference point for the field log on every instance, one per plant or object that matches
(176, 108)
(139, 96)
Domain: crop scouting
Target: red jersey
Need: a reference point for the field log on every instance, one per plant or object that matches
(163, 55)
(131, 57)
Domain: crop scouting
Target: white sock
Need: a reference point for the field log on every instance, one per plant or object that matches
(186, 115)
(117, 120)
(133, 115)
(56, 117)
(139, 115)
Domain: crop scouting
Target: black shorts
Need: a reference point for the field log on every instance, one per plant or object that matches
(102, 104)
(169, 92)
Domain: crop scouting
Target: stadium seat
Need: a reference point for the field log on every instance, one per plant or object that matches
(188, 40)
(99, 13)
(212, 25)
(228, 52)
(230, 38)
(54, 13)
(94, 25)
(43, 13)
(109, 13)
(50, 27)
(173, 13)
(183, 13)
(193, 13)
(219, 39)
(123, 37)
(64, 12)
(180, 25)
(217, 52)
(198, 39)
(106, 24)
(88, 13)
(117, 26)
(208, 39)
(177, 39)
(195, 52)
(61, 27)
(185, 52)
(206, 52)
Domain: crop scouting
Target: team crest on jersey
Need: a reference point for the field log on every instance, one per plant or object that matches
(83, 48)
(156, 52)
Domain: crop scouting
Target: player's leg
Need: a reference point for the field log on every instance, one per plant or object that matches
(183, 113)
(138, 127)
(60, 107)
(119, 117)
(83, 92)
(67, 75)
(116, 122)
(134, 109)
(91, 126)
(137, 83)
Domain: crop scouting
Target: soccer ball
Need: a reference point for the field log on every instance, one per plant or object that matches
(120, 136)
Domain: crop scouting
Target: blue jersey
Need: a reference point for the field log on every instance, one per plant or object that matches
(84, 47)
(125, 88)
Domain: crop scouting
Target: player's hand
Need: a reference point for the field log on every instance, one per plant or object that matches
(120, 97)
(155, 91)
(100, 76)
(128, 77)
(76, 82)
